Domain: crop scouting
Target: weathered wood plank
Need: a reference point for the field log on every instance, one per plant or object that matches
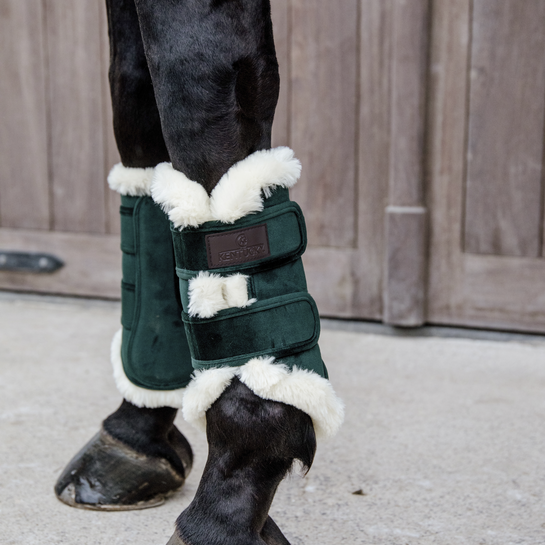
(468, 290)
(446, 155)
(76, 114)
(323, 116)
(499, 292)
(404, 283)
(373, 157)
(405, 269)
(92, 263)
(24, 190)
(330, 280)
(410, 51)
(506, 120)
(280, 10)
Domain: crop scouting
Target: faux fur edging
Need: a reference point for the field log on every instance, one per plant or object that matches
(303, 389)
(239, 192)
(132, 182)
(141, 397)
(209, 293)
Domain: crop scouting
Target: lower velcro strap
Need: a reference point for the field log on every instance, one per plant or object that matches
(278, 327)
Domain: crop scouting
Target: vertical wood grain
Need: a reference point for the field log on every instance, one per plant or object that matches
(506, 123)
(24, 192)
(76, 115)
(323, 116)
(405, 265)
(373, 153)
(280, 11)
(410, 50)
(446, 155)
(406, 222)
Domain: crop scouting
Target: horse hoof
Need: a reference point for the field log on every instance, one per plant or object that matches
(270, 534)
(108, 475)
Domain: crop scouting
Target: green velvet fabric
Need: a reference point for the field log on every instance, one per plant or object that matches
(155, 350)
(283, 323)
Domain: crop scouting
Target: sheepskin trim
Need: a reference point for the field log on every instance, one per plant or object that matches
(202, 391)
(206, 295)
(186, 202)
(133, 182)
(239, 192)
(209, 293)
(141, 397)
(235, 291)
(303, 389)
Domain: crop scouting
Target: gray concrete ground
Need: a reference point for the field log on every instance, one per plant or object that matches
(444, 440)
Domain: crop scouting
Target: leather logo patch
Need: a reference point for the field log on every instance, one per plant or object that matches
(236, 247)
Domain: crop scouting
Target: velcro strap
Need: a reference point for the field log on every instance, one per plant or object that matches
(255, 243)
(278, 327)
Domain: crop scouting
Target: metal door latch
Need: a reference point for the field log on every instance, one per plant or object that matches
(29, 262)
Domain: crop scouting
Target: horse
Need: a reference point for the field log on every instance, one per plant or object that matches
(216, 317)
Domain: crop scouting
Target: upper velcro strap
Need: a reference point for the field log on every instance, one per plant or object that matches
(276, 327)
(255, 243)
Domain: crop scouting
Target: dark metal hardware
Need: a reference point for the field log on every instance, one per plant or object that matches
(29, 262)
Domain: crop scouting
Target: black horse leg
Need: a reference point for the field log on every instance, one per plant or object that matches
(215, 76)
(136, 122)
(110, 472)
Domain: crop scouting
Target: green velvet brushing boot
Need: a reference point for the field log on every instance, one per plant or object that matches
(253, 332)
(150, 355)
(139, 456)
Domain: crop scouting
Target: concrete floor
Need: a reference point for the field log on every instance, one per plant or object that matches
(444, 440)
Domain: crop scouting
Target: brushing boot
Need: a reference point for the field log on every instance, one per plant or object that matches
(260, 388)
(139, 457)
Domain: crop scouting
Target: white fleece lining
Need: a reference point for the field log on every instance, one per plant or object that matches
(209, 293)
(303, 389)
(239, 192)
(133, 182)
(235, 291)
(141, 397)
(186, 202)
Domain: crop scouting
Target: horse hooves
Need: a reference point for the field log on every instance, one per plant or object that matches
(108, 475)
(270, 534)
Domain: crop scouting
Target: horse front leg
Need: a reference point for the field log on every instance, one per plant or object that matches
(139, 456)
(260, 388)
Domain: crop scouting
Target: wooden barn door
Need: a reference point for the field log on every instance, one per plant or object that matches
(57, 145)
(334, 112)
(485, 164)
(420, 126)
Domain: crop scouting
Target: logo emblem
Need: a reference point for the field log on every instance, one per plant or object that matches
(235, 247)
(242, 240)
